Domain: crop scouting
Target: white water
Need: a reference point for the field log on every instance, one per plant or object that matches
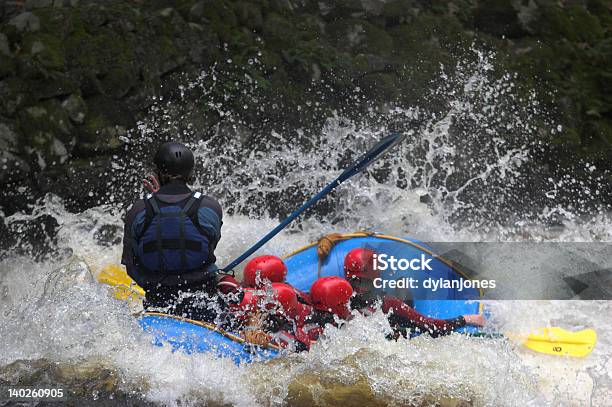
(62, 327)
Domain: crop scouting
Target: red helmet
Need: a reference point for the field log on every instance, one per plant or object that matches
(285, 295)
(227, 284)
(360, 263)
(331, 294)
(249, 300)
(267, 267)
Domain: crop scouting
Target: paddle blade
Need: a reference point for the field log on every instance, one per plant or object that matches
(124, 288)
(557, 341)
(371, 155)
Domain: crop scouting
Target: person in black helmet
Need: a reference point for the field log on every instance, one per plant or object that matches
(170, 238)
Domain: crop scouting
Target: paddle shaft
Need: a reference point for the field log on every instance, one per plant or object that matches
(284, 223)
(359, 165)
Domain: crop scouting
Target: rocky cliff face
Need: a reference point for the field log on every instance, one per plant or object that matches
(76, 75)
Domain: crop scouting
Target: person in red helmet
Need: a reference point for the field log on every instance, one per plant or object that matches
(264, 268)
(268, 269)
(359, 271)
(272, 315)
(285, 320)
(330, 302)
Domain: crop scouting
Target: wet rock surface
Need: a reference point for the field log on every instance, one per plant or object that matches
(76, 76)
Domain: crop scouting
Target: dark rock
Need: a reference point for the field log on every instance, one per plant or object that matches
(426, 199)
(47, 130)
(108, 235)
(398, 12)
(7, 64)
(498, 18)
(83, 183)
(214, 12)
(278, 32)
(25, 22)
(12, 168)
(249, 15)
(35, 4)
(103, 128)
(13, 95)
(9, 141)
(46, 49)
(5, 49)
(36, 237)
(360, 36)
(76, 108)
(55, 85)
(141, 97)
(118, 81)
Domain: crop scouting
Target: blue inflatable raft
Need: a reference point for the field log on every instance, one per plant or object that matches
(303, 269)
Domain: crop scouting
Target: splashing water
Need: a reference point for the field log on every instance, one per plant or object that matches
(465, 173)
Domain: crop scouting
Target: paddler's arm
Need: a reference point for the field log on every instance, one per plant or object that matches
(210, 218)
(127, 257)
(434, 326)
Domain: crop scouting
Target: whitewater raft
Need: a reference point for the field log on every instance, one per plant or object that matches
(304, 267)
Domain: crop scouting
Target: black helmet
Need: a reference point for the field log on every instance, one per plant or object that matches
(174, 158)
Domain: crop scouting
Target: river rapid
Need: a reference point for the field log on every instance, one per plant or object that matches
(447, 183)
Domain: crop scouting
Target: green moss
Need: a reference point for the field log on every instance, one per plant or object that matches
(382, 86)
(248, 14)
(278, 32)
(46, 49)
(397, 11)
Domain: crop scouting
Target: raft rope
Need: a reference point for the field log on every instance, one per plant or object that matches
(212, 327)
(327, 243)
(325, 246)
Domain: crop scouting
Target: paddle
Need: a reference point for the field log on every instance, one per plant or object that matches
(553, 341)
(557, 341)
(122, 285)
(359, 165)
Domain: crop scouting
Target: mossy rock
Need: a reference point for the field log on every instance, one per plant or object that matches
(14, 94)
(76, 108)
(54, 85)
(92, 127)
(47, 132)
(119, 80)
(98, 135)
(25, 22)
(218, 13)
(575, 23)
(279, 33)
(7, 64)
(9, 139)
(46, 49)
(399, 12)
(360, 36)
(498, 18)
(381, 86)
(47, 118)
(248, 15)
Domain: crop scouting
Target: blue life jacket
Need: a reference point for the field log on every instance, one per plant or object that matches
(172, 240)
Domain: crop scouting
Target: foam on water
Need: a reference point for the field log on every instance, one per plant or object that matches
(445, 183)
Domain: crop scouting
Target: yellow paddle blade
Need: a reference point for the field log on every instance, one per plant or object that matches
(123, 286)
(558, 341)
